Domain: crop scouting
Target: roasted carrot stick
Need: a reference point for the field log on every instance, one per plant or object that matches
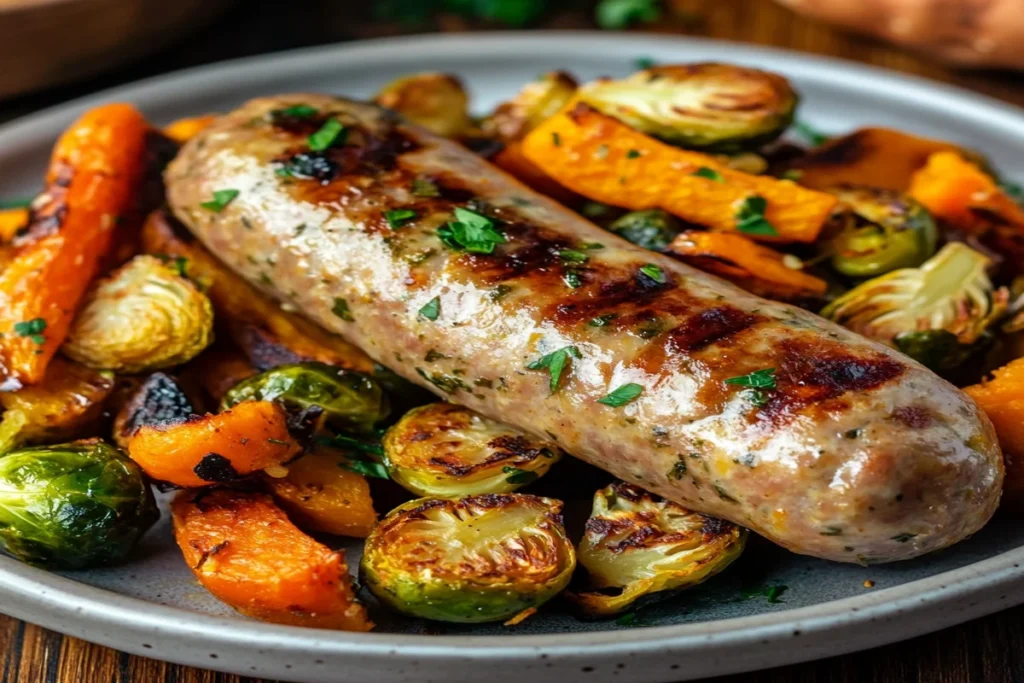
(94, 174)
(12, 221)
(607, 161)
(959, 191)
(243, 549)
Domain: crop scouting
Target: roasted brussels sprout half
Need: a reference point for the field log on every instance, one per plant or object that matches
(144, 317)
(537, 101)
(710, 106)
(950, 292)
(157, 401)
(637, 545)
(652, 229)
(443, 449)
(340, 398)
(75, 505)
(470, 560)
(436, 101)
(880, 231)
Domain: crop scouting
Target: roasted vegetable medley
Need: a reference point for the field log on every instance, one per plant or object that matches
(130, 356)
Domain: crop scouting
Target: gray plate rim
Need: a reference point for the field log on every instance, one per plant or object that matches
(864, 621)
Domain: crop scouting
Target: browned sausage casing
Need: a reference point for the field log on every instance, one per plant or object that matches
(858, 454)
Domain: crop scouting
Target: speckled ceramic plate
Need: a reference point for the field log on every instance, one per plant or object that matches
(152, 606)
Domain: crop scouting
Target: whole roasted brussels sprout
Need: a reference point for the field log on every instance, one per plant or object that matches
(881, 231)
(950, 292)
(436, 101)
(74, 505)
(470, 560)
(637, 544)
(652, 229)
(145, 316)
(443, 449)
(710, 106)
(535, 102)
(346, 400)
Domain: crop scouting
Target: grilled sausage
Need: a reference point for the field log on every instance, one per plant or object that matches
(852, 452)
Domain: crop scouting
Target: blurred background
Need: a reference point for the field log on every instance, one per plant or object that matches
(54, 50)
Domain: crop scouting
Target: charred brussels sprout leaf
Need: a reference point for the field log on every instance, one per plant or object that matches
(652, 229)
(538, 100)
(880, 231)
(469, 560)
(75, 505)
(143, 317)
(709, 106)
(348, 400)
(436, 101)
(637, 544)
(447, 450)
(950, 292)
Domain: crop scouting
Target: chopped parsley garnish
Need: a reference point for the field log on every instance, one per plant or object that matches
(499, 292)
(644, 63)
(572, 256)
(757, 382)
(678, 470)
(595, 209)
(221, 198)
(519, 476)
(618, 14)
(398, 217)
(809, 133)
(296, 111)
(709, 173)
(431, 309)
(367, 468)
(180, 266)
(33, 329)
(21, 203)
(555, 363)
(792, 174)
(623, 395)
(308, 165)
(556, 139)
(602, 320)
(425, 187)
(772, 593)
(593, 245)
(331, 133)
(654, 273)
(341, 310)
(633, 154)
(750, 217)
(471, 232)
(573, 279)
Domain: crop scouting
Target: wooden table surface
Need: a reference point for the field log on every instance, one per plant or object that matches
(989, 650)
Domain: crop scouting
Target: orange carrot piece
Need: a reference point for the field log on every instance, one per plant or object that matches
(215, 449)
(1002, 399)
(753, 266)
(11, 221)
(187, 128)
(93, 178)
(243, 549)
(959, 191)
(607, 161)
(321, 495)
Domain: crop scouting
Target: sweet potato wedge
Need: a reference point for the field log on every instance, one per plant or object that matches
(869, 157)
(11, 222)
(246, 312)
(607, 161)
(245, 551)
(187, 128)
(754, 267)
(215, 449)
(957, 190)
(68, 404)
(94, 174)
(1002, 399)
(320, 495)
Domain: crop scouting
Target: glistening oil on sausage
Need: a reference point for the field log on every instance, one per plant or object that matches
(786, 423)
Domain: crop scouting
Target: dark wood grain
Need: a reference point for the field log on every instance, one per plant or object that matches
(989, 650)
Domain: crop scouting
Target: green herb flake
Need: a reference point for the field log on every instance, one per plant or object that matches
(595, 209)
(593, 245)
(296, 111)
(432, 309)
(654, 273)
(759, 379)
(33, 329)
(180, 266)
(572, 256)
(792, 174)
(331, 133)
(471, 232)
(341, 309)
(627, 619)
(619, 14)
(499, 292)
(221, 198)
(750, 217)
(396, 218)
(367, 468)
(678, 470)
(709, 173)
(602, 320)
(518, 476)
(573, 279)
(644, 63)
(809, 133)
(633, 154)
(772, 593)
(623, 395)
(16, 203)
(555, 363)
(556, 139)
(425, 187)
